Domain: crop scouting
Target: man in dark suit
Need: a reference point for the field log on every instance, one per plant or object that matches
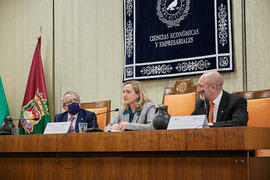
(74, 114)
(228, 109)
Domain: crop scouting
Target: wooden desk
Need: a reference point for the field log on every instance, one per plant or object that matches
(215, 153)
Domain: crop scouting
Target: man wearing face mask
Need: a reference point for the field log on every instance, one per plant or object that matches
(74, 114)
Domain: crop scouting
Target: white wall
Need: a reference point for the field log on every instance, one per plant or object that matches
(20, 21)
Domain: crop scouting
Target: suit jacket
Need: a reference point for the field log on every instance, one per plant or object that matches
(83, 116)
(141, 121)
(232, 109)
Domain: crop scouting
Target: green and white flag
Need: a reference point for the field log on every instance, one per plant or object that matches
(4, 111)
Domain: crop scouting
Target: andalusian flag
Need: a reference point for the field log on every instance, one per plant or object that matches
(4, 111)
(35, 103)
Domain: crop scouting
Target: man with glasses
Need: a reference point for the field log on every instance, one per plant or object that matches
(74, 114)
(222, 108)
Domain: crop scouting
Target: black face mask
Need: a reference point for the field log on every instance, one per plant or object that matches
(74, 108)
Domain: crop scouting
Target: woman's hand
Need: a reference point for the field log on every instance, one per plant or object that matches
(115, 127)
(123, 125)
(120, 126)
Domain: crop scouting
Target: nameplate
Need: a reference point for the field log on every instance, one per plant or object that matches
(57, 128)
(188, 122)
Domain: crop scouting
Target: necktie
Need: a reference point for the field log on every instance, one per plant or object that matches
(210, 117)
(71, 128)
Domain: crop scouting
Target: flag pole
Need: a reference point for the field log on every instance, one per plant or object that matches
(35, 102)
(40, 31)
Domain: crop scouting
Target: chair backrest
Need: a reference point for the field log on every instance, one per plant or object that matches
(181, 98)
(98, 107)
(258, 107)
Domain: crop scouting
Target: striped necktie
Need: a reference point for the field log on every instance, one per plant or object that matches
(71, 128)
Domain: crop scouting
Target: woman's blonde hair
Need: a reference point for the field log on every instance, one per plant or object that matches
(138, 88)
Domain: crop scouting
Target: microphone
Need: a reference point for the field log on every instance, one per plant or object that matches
(35, 119)
(108, 111)
(225, 124)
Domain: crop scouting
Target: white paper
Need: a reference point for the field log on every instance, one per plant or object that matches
(188, 122)
(57, 128)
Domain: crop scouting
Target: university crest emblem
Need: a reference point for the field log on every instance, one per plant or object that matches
(172, 12)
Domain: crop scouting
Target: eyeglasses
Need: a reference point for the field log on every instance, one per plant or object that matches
(70, 101)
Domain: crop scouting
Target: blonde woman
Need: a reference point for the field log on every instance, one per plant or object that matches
(138, 111)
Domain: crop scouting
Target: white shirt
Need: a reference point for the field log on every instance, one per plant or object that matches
(216, 105)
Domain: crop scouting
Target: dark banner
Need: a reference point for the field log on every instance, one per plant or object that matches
(170, 38)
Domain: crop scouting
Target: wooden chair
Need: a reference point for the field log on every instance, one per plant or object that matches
(258, 107)
(101, 109)
(181, 98)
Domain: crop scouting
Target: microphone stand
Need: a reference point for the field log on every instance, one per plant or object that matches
(97, 129)
(203, 97)
(205, 106)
